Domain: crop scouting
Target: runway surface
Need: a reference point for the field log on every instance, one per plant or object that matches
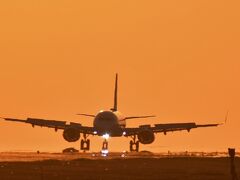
(145, 165)
(40, 156)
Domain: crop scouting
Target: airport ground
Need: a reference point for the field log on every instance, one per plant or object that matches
(57, 166)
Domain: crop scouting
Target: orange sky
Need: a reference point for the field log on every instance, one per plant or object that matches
(176, 59)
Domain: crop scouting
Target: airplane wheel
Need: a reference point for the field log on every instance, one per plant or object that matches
(134, 146)
(82, 144)
(137, 146)
(105, 145)
(88, 145)
(85, 145)
(131, 146)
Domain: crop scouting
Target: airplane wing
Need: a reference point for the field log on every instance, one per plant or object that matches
(164, 128)
(55, 124)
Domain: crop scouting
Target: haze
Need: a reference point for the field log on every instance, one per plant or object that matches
(178, 60)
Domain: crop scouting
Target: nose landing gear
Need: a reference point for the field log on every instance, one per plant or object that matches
(104, 150)
(85, 143)
(105, 144)
(134, 145)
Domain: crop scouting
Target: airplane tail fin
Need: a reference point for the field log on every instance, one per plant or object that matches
(115, 106)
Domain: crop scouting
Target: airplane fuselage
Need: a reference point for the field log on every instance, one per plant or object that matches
(109, 122)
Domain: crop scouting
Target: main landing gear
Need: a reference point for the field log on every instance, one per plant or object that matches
(85, 143)
(134, 145)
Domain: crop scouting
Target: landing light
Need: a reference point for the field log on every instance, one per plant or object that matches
(95, 132)
(106, 136)
(124, 133)
(122, 155)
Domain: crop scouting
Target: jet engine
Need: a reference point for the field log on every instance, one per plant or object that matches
(146, 136)
(71, 134)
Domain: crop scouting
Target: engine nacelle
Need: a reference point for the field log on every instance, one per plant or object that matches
(146, 136)
(71, 134)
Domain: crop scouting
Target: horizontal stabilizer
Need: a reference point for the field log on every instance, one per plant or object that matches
(89, 115)
(138, 117)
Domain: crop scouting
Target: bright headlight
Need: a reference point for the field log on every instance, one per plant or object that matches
(106, 136)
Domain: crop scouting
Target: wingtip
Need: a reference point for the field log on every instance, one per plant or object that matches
(226, 117)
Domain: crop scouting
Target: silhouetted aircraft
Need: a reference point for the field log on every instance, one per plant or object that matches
(110, 123)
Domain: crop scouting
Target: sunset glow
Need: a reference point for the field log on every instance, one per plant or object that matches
(178, 60)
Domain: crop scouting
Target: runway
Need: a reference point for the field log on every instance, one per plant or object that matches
(41, 156)
(144, 165)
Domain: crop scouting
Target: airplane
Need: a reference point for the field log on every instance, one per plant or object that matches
(110, 123)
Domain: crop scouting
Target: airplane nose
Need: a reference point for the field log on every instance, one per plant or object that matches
(105, 122)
